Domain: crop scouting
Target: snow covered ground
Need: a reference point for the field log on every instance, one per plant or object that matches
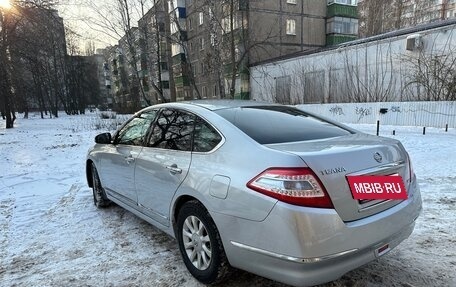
(52, 235)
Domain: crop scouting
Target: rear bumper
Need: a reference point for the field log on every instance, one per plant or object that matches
(317, 272)
(307, 246)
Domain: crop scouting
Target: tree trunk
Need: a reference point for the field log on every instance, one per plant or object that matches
(232, 52)
(5, 83)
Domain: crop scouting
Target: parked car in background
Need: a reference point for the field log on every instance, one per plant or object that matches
(256, 186)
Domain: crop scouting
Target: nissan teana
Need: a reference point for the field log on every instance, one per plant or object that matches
(256, 186)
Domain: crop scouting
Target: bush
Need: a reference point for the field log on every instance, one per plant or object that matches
(107, 122)
(108, 115)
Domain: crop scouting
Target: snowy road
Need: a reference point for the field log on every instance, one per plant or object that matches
(52, 235)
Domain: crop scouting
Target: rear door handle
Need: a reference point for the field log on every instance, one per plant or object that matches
(174, 169)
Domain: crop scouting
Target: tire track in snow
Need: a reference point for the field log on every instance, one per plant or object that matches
(6, 216)
(66, 200)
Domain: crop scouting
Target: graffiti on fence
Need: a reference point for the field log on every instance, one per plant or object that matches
(363, 112)
(337, 111)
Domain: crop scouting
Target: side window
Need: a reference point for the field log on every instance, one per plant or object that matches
(206, 138)
(173, 130)
(134, 131)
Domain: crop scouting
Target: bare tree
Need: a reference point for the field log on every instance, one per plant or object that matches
(154, 31)
(430, 75)
(376, 17)
(90, 48)
(6, 100)
(232, 41)
(179, 39)
(25, 28)
(370, 78)
(117, 20)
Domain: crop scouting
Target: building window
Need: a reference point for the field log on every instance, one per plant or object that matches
(194, 68)
(164, 66)
(291, 27)
(201, 18)
(174, 28)
(203, 68)
(203, 92)
(213, 39)
(341, 25)
(291, 1)
(226, 24)
(161, 27)
(243, 5)
(202, 43)
(190, 23)
(176, 49)
(165, 84)
(211, 13)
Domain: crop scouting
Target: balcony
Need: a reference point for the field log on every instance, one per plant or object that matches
(179, 59)
(342, 11)
(181, 81)
(176, 49)
(174, 4)
(338, 39)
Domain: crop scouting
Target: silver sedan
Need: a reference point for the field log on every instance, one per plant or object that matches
(260, 187)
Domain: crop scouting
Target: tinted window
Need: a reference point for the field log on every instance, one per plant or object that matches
(206, 138)
(134, 131)
(173, 130)
(279, 124)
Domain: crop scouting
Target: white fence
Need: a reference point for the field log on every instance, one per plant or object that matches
(425, 114)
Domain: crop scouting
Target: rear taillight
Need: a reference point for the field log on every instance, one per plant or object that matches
(298, 186)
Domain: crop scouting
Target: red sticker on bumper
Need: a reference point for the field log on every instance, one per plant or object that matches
(377, 187)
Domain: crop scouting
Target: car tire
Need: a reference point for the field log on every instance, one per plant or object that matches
(99, 195)
(200, 244)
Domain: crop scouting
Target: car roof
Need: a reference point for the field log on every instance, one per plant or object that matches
(214, 105)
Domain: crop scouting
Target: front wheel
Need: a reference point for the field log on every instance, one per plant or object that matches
(99, 195)
(200, 244)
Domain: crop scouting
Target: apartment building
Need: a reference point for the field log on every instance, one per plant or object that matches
(342, 21)
(155, 53)
(104, 78)
(180, 64)
(225, 38)
(115, 58)
(201, 49)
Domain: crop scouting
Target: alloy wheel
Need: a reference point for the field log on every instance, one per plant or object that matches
(197, 242)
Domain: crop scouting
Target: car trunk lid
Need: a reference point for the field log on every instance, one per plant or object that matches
(359, 154)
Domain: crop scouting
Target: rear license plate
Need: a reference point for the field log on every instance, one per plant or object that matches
(377, 187)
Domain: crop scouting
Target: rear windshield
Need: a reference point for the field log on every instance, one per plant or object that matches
(280, 124)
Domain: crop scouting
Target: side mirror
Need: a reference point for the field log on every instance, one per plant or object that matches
(104, 138)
